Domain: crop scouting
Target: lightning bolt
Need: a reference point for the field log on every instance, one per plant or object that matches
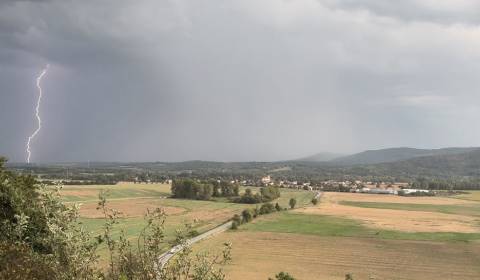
(37, 111)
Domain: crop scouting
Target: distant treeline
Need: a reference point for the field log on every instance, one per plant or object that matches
(439, 184)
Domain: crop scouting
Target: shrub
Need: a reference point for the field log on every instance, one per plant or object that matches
(292, 203)
(277, 207)
(283, 276)
(236, 221)
(247, 216)
(267, 208)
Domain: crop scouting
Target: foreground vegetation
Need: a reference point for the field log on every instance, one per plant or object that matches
(42, 238)
(43, 235)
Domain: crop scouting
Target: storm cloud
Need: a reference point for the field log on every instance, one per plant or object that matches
(237, 80)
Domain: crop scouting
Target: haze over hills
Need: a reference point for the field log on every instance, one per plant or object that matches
(451, 162)
(406, 163)
(395, 154)
(324, 156)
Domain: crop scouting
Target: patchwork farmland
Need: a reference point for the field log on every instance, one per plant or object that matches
(133, 200)
(369, 236)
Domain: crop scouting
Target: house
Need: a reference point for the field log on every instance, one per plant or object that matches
(382, 191)
(266, 180)
(409, 191)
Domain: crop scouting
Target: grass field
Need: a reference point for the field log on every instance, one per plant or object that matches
(89, 193)
(320, 225)
(462, 209)
(338, 237)
(132, 200)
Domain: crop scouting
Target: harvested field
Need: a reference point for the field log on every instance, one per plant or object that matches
(399, 220)
(362, 197)
(471, 195)
(259, 255)
(135, 207)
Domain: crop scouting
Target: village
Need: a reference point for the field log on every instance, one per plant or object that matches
(357, 186)
(396, 188)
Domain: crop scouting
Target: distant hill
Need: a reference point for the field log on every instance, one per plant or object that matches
(321, 157)
(396, 154)
(466, 164)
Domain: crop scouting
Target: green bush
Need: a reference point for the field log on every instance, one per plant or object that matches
(283, 276)
(292, 203)
(247, 216)
(267, 208)
(277, 207)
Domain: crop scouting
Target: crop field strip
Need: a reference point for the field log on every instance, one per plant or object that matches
(323, 225)
(327, 257)
(402, 213)
(462, 209)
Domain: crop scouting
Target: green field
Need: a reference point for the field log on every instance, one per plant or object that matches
(203, 215)
(461, 209)
(90, 192)
(319, 225)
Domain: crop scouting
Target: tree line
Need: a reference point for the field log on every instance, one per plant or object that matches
(266, 194)
(203, 190)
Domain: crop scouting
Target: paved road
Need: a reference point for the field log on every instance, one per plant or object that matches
(165, 257)
(168, 255)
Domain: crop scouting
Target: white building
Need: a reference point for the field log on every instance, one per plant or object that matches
(267, 179)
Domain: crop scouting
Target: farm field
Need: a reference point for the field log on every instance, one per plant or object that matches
(471, 195)
(133, 200)
(410, 214)
(259, 255)
(370, 236)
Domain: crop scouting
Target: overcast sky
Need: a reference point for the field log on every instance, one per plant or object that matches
(237, 80)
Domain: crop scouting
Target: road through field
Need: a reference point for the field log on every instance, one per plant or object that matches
(221, 228)
(168, 255)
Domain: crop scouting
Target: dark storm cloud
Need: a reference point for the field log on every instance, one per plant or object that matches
(239, 80)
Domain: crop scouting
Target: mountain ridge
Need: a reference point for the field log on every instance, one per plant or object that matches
(388, 155)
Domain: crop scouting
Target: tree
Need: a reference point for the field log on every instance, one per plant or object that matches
(40, 237)
(292, 203)
(269, 193)
(236, 221)
(267, 208)
(314, 201)
(277, 207)
(247, 215)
